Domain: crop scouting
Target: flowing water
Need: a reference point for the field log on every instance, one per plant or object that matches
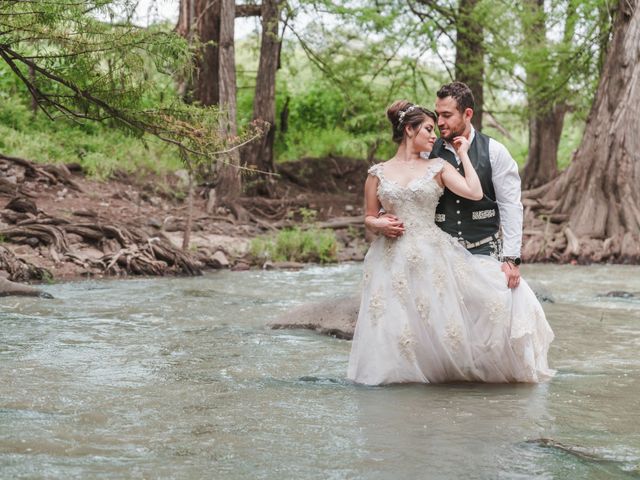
(180, 378)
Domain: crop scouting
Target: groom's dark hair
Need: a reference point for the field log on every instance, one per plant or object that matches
(460, 92)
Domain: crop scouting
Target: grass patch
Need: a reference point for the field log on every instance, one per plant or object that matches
(296, 245)
(99, 148)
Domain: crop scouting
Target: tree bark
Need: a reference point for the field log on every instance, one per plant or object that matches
(186, 16)
(260, 153)
(213, 23)
(186, 28)
(599, 193)
(186, 238)
(207, 82)
(470, 53)
(546, 111)
(545, 130)
(200, 20)
(227, 66)
(228, 185)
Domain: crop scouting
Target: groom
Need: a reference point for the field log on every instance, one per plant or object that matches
(477, 224)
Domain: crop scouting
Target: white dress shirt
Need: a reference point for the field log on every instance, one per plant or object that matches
(506, 183)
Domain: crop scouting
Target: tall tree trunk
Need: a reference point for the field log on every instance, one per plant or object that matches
(260, 153)
(605, 11)
(185, 28)
(200, 20)
(546, 111)
(229, 184)
(186, 238)
(470, 52)
(598, 196)
(545, 130)
(206, 85)
(545, 122)
(227, 62)
(186, 17)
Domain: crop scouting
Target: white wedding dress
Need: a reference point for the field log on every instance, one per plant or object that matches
(431, 312)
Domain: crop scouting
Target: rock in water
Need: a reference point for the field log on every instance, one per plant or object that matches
(618, 294)
(219, 260)
(8, 287)
(336, 317)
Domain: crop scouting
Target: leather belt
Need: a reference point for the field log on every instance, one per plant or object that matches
(470, 245)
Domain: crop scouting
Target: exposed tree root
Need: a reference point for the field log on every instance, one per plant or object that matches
(20, 270)
(549, 237)
(137, 253)
(125, 249)
(51, 173)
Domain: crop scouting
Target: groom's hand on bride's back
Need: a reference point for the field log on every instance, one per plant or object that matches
(389, 225)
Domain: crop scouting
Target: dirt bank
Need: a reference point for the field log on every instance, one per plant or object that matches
(55, 223)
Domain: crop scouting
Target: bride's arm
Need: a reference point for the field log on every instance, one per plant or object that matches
(467, 186)
(388, 225)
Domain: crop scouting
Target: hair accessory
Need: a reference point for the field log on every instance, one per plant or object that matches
(402, 113)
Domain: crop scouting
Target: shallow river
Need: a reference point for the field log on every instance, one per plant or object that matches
(180, 378)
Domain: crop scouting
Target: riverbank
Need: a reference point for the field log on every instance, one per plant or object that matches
(58, 224)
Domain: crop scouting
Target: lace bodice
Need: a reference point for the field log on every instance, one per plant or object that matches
(414, 203)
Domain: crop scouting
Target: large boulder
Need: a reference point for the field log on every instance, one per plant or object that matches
(336, 317)
(8, 287)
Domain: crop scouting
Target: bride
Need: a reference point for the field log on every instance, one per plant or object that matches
(430, 311)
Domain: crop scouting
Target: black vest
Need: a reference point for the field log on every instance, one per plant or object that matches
(468, 219)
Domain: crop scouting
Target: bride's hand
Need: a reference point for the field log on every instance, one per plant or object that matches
(461, 144)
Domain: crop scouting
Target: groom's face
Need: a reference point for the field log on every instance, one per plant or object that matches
(451, 122)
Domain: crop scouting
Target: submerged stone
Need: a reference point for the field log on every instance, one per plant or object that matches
(8, 288)
(335, 317)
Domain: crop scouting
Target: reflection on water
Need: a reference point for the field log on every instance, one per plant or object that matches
(179, 378)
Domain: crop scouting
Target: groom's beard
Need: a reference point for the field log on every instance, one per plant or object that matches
(452, 134)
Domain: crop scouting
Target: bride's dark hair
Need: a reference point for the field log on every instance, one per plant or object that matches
(402, 113)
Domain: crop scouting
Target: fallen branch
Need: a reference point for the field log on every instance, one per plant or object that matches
(342, 222)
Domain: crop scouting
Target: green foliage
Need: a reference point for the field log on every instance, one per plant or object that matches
(318, 107)
(79, 66)
(296, 245)
(362, 57)
(340, 71)
(99, 149)
(308, 215)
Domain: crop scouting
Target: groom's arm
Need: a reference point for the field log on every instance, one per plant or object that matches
(506, 183)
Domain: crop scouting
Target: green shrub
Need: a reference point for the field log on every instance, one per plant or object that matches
(296, 245)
